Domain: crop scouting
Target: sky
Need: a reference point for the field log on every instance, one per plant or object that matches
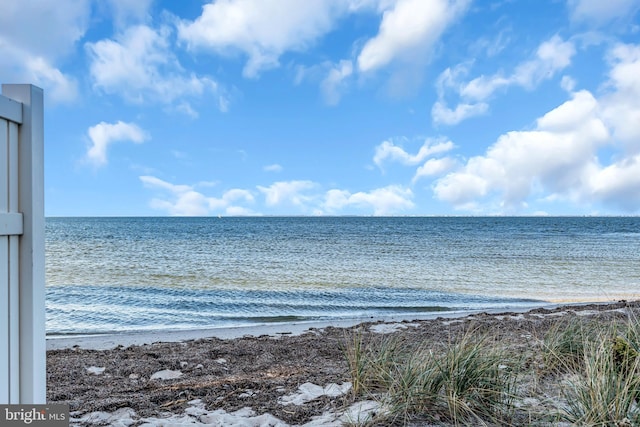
(333, 107)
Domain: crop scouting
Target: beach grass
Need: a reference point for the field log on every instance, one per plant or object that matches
(583, 372)
(468, 383)
(606, 390)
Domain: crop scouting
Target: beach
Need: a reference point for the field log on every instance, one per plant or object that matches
(295, 374)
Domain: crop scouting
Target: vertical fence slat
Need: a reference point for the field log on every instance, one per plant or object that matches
(4, 267)
(4, 320)
(14, 325)
(14, 269)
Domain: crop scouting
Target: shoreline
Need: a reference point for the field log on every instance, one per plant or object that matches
(108, 341)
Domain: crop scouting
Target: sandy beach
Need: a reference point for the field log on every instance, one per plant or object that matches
(275, 375)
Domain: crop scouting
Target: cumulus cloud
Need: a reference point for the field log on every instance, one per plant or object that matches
(294, 193)
(389, 200)
(306, 196)
(558, 160)
(408, 30)
(262, 30)
(434, 167)
(390, 151)
(184, 200)
(621, 106)
(104, 134)
(140, 66)
(557, 156)
(265, 30)
(551, 57)
(619, 184)
(27, 56)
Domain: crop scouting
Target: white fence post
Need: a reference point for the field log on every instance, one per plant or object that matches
(22, 282)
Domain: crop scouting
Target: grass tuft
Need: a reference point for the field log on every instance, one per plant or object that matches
(469, 383)
(607, 391)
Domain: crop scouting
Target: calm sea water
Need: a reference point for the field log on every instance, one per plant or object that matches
(119, 274)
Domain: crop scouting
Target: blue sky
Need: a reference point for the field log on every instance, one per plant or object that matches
(333, 107)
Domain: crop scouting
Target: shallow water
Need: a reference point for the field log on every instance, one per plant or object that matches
(117, 274)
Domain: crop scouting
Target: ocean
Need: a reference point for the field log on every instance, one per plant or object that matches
(132, 274)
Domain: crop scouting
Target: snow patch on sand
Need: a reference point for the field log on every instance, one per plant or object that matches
(197, 415)
(360, 413)
(167, 374)
(95, 370)
(388, 328)
(309, 391)
(120, 417)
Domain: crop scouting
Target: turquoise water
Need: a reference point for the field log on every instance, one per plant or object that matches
(120, 274)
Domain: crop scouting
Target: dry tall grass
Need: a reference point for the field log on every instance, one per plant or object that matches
(593, 368)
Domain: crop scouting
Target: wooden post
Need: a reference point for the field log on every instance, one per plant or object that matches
(22, 214)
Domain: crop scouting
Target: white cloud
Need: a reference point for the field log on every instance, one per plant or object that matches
(558, 160)
(293, 193)
(273, 168)
(263, 30)
(58, 86)
(333, 79)
(598, 12)
(306, 196)
(23, 24)
(619, 184)
(334, 84)
(621, 107)
(388, 150)
(408, 30)
(568, 84)
(28, 56)
(441, 113)
(551, 57)
(185, 108)
(104, 134)
(140, 66)
(127, 11)
(491, 46)
(434, 167)
(184, 200)
(384, 201)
